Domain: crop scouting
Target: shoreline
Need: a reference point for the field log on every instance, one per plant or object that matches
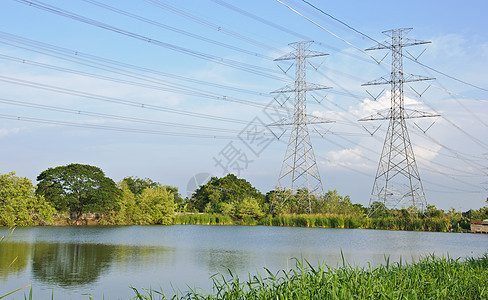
(331, 221)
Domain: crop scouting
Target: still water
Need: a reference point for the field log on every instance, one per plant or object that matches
(72, 262)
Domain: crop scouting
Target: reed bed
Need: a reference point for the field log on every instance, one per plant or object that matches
(326, 221)
(202, 219)
(429, 278)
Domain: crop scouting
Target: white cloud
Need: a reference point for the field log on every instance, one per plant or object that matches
(6, 132)
(448, 46)
(351, 158)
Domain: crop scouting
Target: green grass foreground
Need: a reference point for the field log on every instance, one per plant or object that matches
(429, 278)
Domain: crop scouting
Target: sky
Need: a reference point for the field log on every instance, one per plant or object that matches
(171, 90)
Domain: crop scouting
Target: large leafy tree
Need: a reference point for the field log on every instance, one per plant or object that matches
(78, 188)
(218, 193)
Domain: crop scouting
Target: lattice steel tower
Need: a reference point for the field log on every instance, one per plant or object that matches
(299, 169)
(397, 180)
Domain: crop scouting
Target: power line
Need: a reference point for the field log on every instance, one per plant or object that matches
(374, 40)
(89, 59)
(113, 117)
(171, 87)
(118, 100)
(257, 70)
(209, 24)
(284, 29)
(177, 30)
(112, 128)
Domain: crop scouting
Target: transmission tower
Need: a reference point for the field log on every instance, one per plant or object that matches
(397, 180)
(299, 170)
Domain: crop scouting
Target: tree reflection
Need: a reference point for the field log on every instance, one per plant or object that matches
(70, 264)
(13, 258)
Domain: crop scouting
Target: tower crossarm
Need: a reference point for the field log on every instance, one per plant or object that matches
(408, 114)
(385, 80)
(306, 87)
(416, 114)
(303, 53)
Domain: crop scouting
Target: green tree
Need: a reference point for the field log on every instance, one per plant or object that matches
(157, 206)
(152, 205)
(78, 188)
(126, 212)
(248, 208)
(19, 205)
(228, 189)
(137, 185)
(377, 209)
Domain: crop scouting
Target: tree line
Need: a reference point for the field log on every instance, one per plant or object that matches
(70, 192)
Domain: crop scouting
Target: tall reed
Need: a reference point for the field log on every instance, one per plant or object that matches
(429, 278)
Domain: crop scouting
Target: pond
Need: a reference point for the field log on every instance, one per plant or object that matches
(72, 262)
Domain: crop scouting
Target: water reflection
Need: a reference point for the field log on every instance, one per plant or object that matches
(14, 258)
(219, 259)
(106, 261)
(70, 264)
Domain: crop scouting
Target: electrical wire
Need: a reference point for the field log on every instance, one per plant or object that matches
(113, 128)
(170, 87)
(97, 62)
(112, 116)
(177, 30)
(257, 70)
(119, 101)
(374, 40)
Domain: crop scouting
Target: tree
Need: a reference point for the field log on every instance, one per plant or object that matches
(154, 204)
(248, 208)
(137, 185)
(228, 189)
(378, 209)
(78, 188)
(19, 205)
(157, 206)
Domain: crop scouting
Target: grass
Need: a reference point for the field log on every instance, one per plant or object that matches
(438, 224)
(429, 278)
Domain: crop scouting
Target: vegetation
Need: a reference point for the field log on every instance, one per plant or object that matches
(19, 205)
(229, 196)
(148, 203)
(429, 278)
(77, 188)
(74, 193)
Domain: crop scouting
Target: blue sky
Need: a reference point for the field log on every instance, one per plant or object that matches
(204, 71)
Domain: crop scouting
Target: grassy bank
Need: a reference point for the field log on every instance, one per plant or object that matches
(439, 224)
(429, 278)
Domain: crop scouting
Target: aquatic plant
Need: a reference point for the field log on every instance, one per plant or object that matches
(430, 278)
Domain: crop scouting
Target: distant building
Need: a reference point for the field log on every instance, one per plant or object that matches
(479, 226)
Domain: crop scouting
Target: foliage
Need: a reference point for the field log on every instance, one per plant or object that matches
(153, 205)
(248, 208)
(157, 206)
(219, 192)
(479, 214)
(78, 188)
(302, 202)
(429, 278)
(19, 205)
(202, 219)
(137, 185)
